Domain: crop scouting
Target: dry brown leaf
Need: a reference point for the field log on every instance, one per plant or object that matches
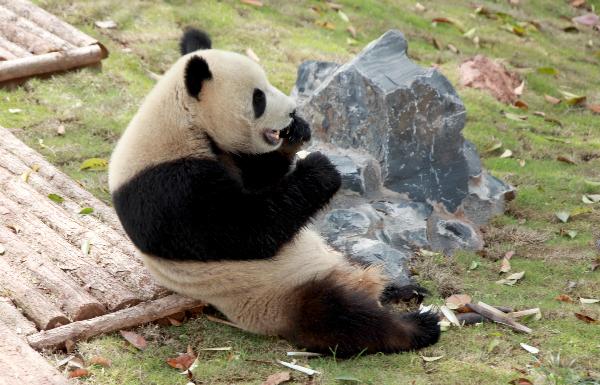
(174, 322)
(277, 378)
(483, 73)
(255, 3)
(565, 159)
(335, 6)
(79, 372)
(326, 24)
(505, 265)
(457, 301)
(183, 361)
(69, 345)
(135, 339)
(564, 298)
(519, 90)
(551, 99)
(586, 318)
(453, 49)
(577, 3)
(352, 31)
(594, 108)
(99, 360)
(522, 105)
(595, 264)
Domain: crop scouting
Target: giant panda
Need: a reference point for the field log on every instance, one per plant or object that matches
(205, 184)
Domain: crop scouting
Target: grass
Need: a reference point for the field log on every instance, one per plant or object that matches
(94, 105)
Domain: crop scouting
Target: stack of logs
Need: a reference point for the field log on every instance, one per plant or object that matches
(65, 275)
(33, 41)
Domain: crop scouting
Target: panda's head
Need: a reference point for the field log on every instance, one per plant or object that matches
(229, 96)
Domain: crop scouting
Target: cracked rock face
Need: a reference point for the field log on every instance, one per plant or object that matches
(410, 179)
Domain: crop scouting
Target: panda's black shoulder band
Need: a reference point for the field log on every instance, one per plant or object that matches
(192, 209)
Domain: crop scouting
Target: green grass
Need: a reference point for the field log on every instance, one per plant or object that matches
(95, 104)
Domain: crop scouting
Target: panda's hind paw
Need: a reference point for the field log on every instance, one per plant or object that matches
(406, 293)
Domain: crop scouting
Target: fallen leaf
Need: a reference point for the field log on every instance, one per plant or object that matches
(94, 164)
(343, 16)
(352, 31)
(70, 345)
(85, 246)
(515, 117)
(506, 154)
(590, 198)
(447, 20)
(450, 316)
(552, 99)
(474, 265)
(505, 265)
(571, 29)
(302, 369)
(60, 130)
(547, 71)
(174, 322)
(483, 73)
(564, 298)
(335, 6)
(101, 361)
(512, 279)
(277, 378)
(105, 24)
(571, 233)
(563, 216)
(430, 359)
(595, 108)
(522, 105)
(493, 345)
(79, 372)
(183, 361)
(14, 110)
(250, 53)
(456, 301)
(565, 159)
(573, 99)
(588, 301)
(326, 24)
(580, 211)
(521, 162)
(595, 264)
(135, 339)
(589, 19)
(521, 381)
(420, 7)
(586, 318)
(347, 379)
(529, 348)
(453, 49)
(86, 211)
(577, 3)
(56, 198)
(496, 145)
(255, 3)
(2, 250)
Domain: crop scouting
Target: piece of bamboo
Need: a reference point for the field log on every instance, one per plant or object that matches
(69, 296)
(122, 319)
(49, 22)
(51, 62)
(14, 319)
(496, 315)
(29, 298)
(21, 365)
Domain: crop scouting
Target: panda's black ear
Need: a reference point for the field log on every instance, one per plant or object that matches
(196, 72)
(192, 40)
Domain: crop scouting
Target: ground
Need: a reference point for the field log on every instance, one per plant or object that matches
(94, 105)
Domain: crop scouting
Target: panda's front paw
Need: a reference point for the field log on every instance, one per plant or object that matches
(318, 173)
(297, 132)
(395, 294)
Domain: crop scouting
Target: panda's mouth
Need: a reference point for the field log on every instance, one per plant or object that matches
(272, 136)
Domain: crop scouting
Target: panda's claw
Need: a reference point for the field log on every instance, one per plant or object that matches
(406, 293)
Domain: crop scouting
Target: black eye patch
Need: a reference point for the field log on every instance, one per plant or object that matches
(259, 103)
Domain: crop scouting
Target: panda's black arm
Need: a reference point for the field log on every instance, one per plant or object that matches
(193, 209)
(262, 170)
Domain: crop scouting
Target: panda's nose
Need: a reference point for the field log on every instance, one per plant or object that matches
(293, 114)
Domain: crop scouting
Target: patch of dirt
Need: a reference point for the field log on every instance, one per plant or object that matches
(515, 235)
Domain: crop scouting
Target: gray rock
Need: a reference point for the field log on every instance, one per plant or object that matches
(368, 252)
(310, 76)
(407, 117)
(404, 223)
(448, 233)
(340, 224)
(487, 198)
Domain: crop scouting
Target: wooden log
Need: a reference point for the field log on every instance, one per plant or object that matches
(29, 298)
(20, 364)
(40, 237)
(20, 158)
(67, 294)
(25, 38)
(49, 22)
(497, 316)
(6, 55)
(51, 62)
(14, 320)
(69, 225)
(8, 16)
(126, 318)
(13, 48)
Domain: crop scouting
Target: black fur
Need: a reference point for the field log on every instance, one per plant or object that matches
(259, 103)
(192, 209)
(297, 132)
(329, 318)
(406, 293)
(192, 40)
(196, 72)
